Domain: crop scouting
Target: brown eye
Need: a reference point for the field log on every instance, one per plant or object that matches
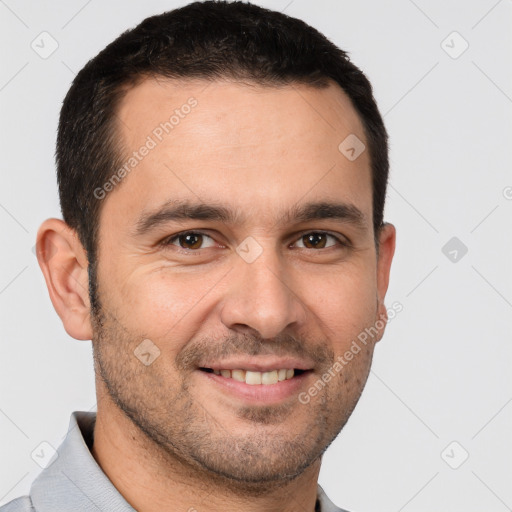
(190, 240)
(314, 240)
(318, 240)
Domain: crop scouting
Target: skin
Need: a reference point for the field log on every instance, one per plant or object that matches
(164, 431)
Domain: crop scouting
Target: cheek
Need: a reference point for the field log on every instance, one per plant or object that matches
(164, 302)
(346, 303)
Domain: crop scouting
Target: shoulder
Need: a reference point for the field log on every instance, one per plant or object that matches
(21, 504)
(326, 505)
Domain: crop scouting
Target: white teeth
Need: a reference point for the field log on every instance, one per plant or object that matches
(269, 377)
(238, 375)
(253, 378)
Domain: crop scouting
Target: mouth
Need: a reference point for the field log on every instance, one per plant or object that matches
(255, 378)
(258, 380)
(257, 385)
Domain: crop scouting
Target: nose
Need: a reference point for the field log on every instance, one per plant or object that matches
(262, 297)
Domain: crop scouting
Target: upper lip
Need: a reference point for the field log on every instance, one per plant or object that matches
(260, 364)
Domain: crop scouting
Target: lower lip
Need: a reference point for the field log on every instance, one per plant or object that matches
(264, 393)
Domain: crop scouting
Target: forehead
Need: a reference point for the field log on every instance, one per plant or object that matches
(234, 112)
(256, 147)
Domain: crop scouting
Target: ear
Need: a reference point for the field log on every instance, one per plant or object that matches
(63, 261)
(387, 240)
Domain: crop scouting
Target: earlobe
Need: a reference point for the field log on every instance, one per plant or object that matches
(64, 264)
(387, 241)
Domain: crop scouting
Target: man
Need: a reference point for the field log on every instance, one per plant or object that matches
(222, 173)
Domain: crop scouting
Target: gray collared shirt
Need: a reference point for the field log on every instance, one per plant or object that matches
(74, 481)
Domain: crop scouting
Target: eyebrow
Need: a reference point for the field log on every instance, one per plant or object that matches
(178, 210)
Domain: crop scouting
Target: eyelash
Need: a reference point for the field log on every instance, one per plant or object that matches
(166, 242)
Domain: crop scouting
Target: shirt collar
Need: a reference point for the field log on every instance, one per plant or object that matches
(74, 480)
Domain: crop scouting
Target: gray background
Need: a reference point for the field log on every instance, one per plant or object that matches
(442, 372)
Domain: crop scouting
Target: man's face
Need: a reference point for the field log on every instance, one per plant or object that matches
(262, 291)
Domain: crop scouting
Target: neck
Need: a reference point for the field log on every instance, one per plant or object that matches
(151, 479)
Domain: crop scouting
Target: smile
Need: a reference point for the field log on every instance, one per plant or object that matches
(255, 377)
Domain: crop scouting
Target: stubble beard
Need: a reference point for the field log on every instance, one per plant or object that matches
(182, 432)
